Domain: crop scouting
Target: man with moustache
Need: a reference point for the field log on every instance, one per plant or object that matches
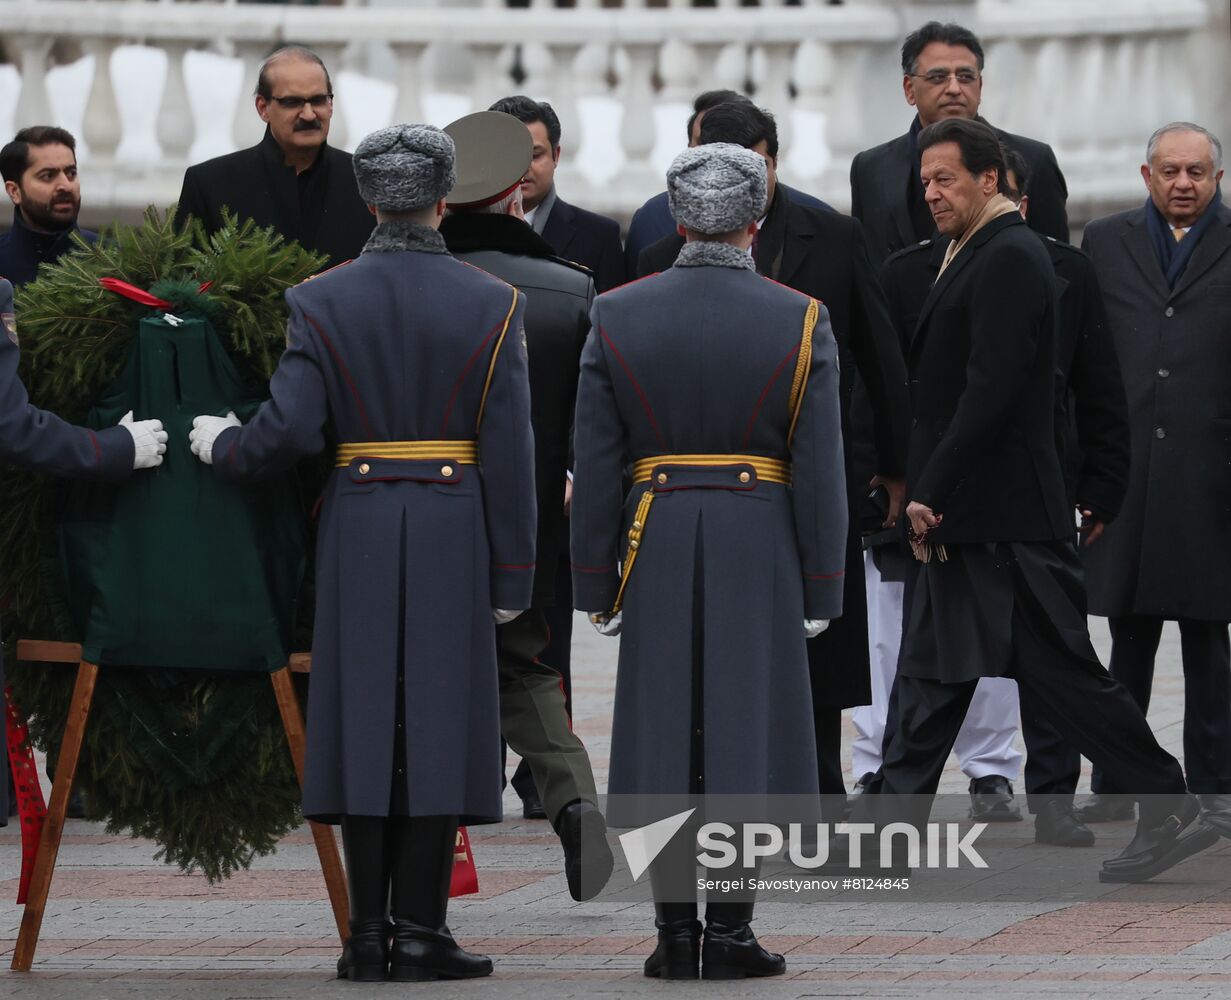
(1165, 269)
(942, 77)
(40, 177)
(999, 592)
(292, 180)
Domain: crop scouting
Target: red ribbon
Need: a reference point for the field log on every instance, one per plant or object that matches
(31, 809)
(130, 291)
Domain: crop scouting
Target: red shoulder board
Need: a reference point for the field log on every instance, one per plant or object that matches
(327, 270)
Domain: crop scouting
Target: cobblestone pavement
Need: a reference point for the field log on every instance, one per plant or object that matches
(119, 925)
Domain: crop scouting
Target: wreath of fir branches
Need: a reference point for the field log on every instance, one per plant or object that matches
(197, 762)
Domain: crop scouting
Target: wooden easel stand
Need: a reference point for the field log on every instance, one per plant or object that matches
(42, 651)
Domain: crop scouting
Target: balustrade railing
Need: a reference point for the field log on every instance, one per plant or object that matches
(149, 87)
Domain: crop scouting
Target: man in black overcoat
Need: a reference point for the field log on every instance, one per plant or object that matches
(1092, 440)
(942, 77)
(823, 254)
(1000, 591)
(1165, 268)
(292, 179)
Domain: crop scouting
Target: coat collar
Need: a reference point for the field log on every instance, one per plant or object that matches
(1214, 242)
(959, 264)
(898, 166)
(470, 232)
(1136, 239)
(560, 227)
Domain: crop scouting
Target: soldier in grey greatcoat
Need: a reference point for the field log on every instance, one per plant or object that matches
(721, 387)
(417, 363)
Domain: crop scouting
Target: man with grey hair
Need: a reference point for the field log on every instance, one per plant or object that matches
(736, 526)
(1165, 270)
(292, 180)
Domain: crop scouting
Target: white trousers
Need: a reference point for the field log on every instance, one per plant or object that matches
(984, 744)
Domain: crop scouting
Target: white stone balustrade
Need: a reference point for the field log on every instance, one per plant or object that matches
(169, 83)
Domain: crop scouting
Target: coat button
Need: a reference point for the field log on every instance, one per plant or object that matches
(662, 478)
(1164, 372)
(1169, 312)
(446, 471)
(364, 469)
(744, 477)
(1159, 433)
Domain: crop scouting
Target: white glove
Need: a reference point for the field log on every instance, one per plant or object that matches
(149, 441)
(502, 617)
(205, 429)
(608, 624)
(814, 627)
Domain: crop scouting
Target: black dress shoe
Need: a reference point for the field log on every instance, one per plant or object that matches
(678, 952)
(365, 958)
(532, 807)
(1056, 824)
(991, 800)
(76, 805)
(421, 954)
(587, 856)
(1107, 808)
(733, 952)
(1167, 835)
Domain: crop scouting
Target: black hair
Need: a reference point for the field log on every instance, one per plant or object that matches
(1016, 164)
(934, 31)
(528, 111)
(980, 148)
(15, 156)
(742, 123)
(711, 99)
(263, 88)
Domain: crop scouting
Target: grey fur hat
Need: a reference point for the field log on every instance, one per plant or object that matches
(717, 187)
(404, 168)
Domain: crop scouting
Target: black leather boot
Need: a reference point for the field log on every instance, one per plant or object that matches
(365, 959)
(678, 953)
(730, 950)
(588, 861)
(423, 948)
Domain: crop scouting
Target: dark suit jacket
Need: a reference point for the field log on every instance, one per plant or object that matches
(1091, 418)
(255, 183)
(22, 249)
(587, 238)
(983, 390)
(653, 221)
(558, 299)
(880, 189)
(1167, 553)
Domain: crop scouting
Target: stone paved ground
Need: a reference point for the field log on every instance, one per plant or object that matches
(119, 925)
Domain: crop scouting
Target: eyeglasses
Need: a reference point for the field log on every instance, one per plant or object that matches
(940, 77)
(318, 102)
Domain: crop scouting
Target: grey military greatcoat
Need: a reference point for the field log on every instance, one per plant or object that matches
(412, 555)
(713, 691)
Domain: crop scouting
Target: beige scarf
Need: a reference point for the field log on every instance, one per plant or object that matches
(997, 206)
